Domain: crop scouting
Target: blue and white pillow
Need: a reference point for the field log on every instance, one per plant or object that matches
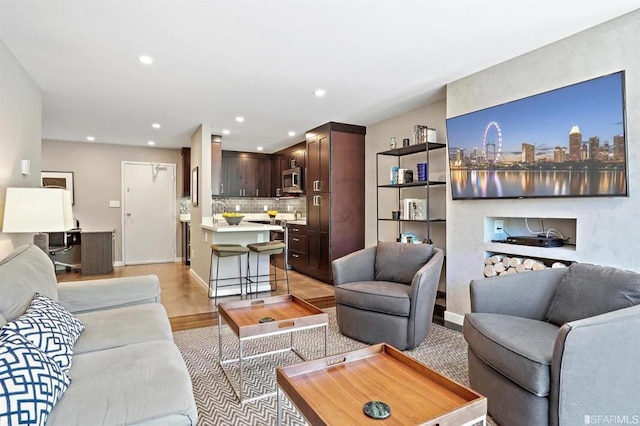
(49, 327)
(31, 383)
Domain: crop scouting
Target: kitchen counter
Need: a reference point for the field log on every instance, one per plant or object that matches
(243, 234)
(185, 217)
(297, 222)
(223, 226)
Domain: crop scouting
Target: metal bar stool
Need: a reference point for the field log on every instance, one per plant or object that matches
(268, 248)
(225, 250)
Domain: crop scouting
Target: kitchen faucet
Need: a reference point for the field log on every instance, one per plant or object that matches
(213, 204)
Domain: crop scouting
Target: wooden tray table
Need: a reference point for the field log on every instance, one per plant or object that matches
(333, 390)
(290, 314)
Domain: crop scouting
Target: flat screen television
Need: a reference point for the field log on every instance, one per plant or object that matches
(568, 142)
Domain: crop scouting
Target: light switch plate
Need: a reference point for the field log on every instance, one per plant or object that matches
(114, 203)
(237, 207)
(498, 226)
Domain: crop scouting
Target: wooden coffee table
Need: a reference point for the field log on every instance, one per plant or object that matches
(333, 390)
(289, 313)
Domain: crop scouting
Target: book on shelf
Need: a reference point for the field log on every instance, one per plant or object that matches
(414, 209)
(423, 134)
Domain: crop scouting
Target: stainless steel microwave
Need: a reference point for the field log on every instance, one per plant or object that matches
(292, 181)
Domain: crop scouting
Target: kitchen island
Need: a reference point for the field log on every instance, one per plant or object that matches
(219, 232)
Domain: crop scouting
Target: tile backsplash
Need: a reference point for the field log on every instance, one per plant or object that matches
(185, 205)
(256, 205)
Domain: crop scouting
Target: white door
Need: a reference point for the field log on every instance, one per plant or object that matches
(149, 212)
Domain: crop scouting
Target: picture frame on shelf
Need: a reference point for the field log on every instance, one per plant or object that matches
(64, 180)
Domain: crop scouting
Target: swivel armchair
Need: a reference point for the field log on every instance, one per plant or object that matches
(386, 293)
(556, 347)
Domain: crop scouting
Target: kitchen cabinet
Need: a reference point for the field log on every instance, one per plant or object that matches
(281, 161)
(245, 174)
(297, 247)
(335, 195)
(186, 171)
(318, 228)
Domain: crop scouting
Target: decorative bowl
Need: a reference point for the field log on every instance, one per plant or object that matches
(233, 220)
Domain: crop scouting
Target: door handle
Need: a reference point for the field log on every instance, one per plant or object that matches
(222, 188)
(257, 192)
(128, 214)
(295, 239)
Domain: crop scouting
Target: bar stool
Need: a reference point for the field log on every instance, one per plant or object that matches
(226, 250)
(268, 248)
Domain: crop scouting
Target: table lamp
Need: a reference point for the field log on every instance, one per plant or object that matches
(37, 210)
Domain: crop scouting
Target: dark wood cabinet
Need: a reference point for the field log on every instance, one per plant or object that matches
(318, 228)
(96, 252)
(335, 195)
(245, 174)
(297, 247)
(283, 160)
(186, 171)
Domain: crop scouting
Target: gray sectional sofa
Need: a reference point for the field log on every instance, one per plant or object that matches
(126, 368)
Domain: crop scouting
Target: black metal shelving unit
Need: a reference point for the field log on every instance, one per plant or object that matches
(399, 153)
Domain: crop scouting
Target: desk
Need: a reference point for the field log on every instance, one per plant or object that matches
(91, 251)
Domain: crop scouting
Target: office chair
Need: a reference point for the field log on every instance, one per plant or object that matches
(61, 243)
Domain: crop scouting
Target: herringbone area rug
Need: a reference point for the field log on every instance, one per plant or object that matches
(444, 350)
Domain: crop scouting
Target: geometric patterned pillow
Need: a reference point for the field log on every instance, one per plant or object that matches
(49, 327)
(31, 383)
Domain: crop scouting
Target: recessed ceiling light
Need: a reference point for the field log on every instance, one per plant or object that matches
(156, 125)
(239, 119)
(151, 143)
(319, 93)
(225, 132)
(91, 138)
(292, 133)
(259, 148)
(145, 59)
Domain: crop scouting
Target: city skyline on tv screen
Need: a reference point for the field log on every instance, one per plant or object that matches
(566, 142)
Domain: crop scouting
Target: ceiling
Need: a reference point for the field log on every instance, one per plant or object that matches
(262, 60)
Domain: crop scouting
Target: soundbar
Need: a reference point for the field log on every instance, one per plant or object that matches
(535, 241)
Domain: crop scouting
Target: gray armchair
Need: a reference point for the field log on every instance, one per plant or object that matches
(556, 347)
(387, 293)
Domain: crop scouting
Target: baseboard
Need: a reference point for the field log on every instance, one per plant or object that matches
(453, 318)
(178, 260)
(200, 281)
(118, 263)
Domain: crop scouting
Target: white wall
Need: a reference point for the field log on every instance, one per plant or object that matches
(98, 180)
(20, 134)
(377, 139)
(201, 157)
(607, 231)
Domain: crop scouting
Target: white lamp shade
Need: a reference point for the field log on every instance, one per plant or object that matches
(37, 210)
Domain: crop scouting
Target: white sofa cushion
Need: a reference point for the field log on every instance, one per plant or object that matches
(26, 271)
(141, 384)
(123, 326)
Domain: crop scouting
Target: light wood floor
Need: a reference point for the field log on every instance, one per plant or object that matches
(186, 301)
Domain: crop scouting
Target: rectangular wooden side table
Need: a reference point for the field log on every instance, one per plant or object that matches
(333, 390)
(288, 313)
